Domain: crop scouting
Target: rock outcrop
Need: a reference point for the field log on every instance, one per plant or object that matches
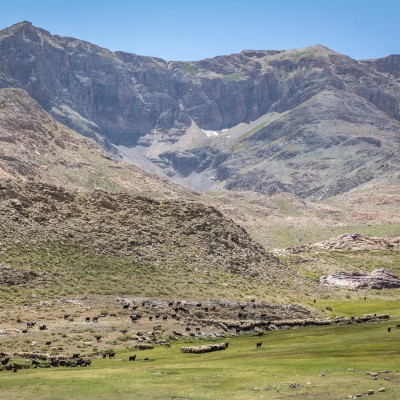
(15, 276)
(355, 241)
(377, 279)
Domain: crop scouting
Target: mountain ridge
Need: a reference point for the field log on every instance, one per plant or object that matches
(165, 116)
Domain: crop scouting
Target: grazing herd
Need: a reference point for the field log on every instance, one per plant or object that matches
(40, 360)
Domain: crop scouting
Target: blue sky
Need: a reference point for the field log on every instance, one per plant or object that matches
(196, 29)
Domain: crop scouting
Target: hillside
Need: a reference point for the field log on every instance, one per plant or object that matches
(309, 122)
(35, 147)
(105, 243)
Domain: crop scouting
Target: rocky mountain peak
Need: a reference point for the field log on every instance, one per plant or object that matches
(246, 121)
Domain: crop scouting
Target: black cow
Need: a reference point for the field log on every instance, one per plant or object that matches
(259, 344)
(42, 327)
(132, 358)
(5, 361)
(111, 354)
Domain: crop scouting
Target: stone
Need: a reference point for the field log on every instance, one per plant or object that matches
(377, 279)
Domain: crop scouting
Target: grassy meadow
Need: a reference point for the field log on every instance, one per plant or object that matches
(326, 362)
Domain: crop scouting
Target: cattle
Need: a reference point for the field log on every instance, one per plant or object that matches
(24, 330)
(111, 354)
(237, 330)
(157, 316)
(198, 305)
(104, 355)
(66, 316)
(206, 309)
(75, 355)
(134, 307)
(49, 343)
(398, 326)
(170, 303)
(87, 319)
(197, 329)
(42, 327)
(165, 317)
(95, 319)
(125, 306)
(188, 329)
(86, 362)
(242, 306)
(260, 333)
(5, 361)
(259, 344)
(389, 328)
(150, 318)
(97, 337)
(132, 358)
(30, 324)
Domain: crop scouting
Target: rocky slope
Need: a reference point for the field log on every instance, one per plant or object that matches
(35, 147)
(309, 121)
(156, 239)
(353, 242)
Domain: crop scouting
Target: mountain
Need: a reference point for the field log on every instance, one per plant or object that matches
(35, 147)
(310, 122)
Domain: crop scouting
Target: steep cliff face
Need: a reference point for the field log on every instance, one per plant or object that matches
(194, 121)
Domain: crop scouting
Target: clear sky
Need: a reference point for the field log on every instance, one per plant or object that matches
(196, 29)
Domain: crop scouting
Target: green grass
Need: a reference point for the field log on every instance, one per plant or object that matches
(316, 358)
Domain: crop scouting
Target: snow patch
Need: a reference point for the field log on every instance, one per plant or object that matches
(210, 133)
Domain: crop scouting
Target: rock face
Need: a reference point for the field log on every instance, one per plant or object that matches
(308, 121)
(35, 147)
(377, 279)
